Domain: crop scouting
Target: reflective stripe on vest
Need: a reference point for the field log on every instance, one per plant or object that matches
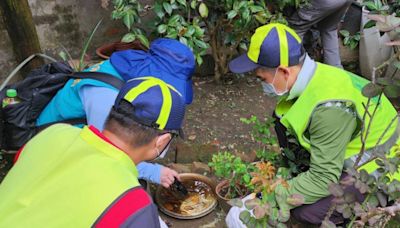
(380, 149)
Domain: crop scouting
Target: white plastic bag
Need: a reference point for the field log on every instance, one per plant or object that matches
(232, 218)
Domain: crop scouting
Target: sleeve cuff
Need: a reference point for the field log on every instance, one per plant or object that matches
(150, 172)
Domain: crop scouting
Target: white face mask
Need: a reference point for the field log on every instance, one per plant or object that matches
(269, 88)
(163, 152)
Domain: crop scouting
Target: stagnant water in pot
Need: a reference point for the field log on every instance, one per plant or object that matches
(200, 197)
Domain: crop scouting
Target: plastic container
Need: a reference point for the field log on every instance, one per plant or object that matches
(373, 50)
(11, 98)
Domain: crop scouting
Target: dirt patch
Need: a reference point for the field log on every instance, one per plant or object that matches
(213, 123)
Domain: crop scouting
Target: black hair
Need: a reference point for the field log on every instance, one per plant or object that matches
(121, 122)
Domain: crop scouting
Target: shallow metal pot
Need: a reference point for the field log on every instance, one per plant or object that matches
(183, 177)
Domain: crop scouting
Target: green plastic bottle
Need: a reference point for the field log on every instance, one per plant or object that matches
(11, 98)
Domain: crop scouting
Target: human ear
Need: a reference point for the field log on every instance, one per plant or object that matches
(162, 141)
(285, 71)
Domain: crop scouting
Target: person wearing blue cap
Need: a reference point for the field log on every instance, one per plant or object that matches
(166, 59)
(321, 107)
(325, 16)
(89, 177)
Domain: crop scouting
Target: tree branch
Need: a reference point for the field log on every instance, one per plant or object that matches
(391, 211)
(378, 142)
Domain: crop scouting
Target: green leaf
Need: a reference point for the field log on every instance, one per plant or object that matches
(382, 199)
(199, 60)
(392, 91)
(159, 10)
(200, 43)
(182, 2)
(191, 30)
(380, 162)
(284, 215)
(364, 175)
(129, 37)
(345, 33)
(246, 15)
(281, 225)
(199, 31)
(193, 4)
(256, 9)
(232, 14)
(349, 197)
(63, 55)
(183, 40)
(86, 45)
(167, 7)
(370, 5)
(143, 39)
(162, 28)
(261, 19)
(371, 90)
(346, 41)
(174, 20)
(259, 212)
(203, 10)
(328, 224)
(340, 207)
(347, 213)
(396, 64)
(172, 33)
(244, 216)
(236, 202)
(353, 44)
(128, 20)
(274, 214)
(369, 24)
(289, 154)
(251, 204)
(336, 190)
(242, 3)
(373, 201)
(295, 199)
(243, 46)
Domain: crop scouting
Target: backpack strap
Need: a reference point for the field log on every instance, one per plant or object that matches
(103, 77)
(75, 121)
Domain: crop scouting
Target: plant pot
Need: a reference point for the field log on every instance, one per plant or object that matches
(373, 50)
(223, 202)
(105, 51)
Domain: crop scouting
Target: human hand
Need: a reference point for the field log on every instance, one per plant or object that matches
(167, 176)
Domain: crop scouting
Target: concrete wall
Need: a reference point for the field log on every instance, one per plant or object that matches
(65, 23)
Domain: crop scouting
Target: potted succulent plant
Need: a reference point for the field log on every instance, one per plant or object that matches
(235, 177)
(265, 208)
(129, 11)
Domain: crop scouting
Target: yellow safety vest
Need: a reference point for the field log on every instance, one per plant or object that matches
(334, 84)
(65, 177)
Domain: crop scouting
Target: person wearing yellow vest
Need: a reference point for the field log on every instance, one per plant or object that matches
(322, 107)
(71, 177)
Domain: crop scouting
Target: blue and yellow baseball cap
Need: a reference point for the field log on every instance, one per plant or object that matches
(156, 103)
(271, 46)
(167, 59)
